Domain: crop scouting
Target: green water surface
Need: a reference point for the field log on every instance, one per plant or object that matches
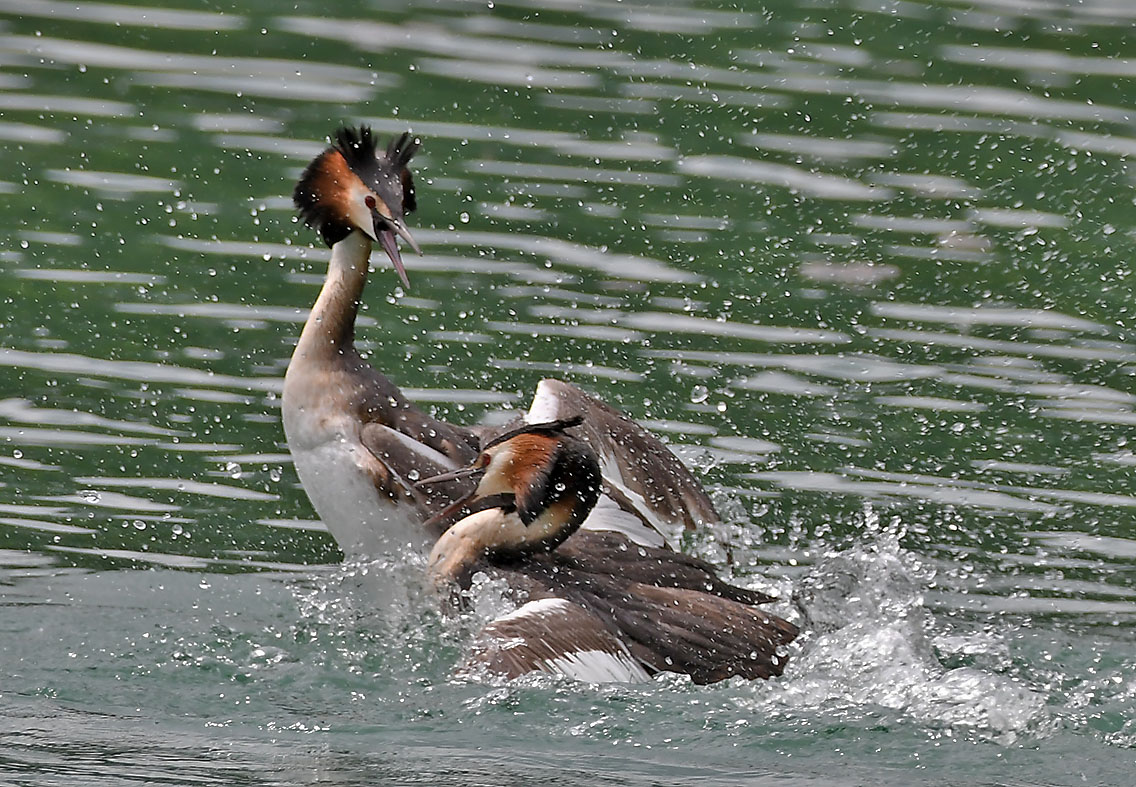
(864, 264)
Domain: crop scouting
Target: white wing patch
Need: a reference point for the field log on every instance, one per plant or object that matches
(607, 515)
(598, 666)
(540, 607)
(557, 637)
(545, 405)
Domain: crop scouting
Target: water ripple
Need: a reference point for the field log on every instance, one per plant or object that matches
(71, 363)
(1115, 352)
(562, 172)
(113, 184)
(813, 184)
(663, 323)
(178, 485)
(986, 315)
(23, 411)
(26, 132)
(139, 16)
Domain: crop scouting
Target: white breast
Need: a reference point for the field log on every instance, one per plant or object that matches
(362, 521)
(331, 462)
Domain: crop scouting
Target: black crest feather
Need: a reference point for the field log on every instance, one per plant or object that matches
(547, 427)
(357, 147)
(402, 149)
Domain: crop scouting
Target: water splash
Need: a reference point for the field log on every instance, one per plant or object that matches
(382, 593)
(868, 646)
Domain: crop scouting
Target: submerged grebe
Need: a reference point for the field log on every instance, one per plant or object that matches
(359, 445)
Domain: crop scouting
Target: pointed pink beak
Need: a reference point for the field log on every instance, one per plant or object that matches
(386, 230)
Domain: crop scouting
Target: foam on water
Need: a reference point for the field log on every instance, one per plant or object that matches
(869, 646)
(868, 643)
(383, 592)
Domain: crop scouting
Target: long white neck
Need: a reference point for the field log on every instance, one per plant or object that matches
(331, 325)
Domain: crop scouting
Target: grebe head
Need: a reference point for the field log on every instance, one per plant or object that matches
(536, 486)
(351, 186)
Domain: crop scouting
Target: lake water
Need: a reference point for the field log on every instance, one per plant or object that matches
(865, 264)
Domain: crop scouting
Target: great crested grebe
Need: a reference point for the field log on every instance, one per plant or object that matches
(595, 609)
(359, 444)
(351, 432)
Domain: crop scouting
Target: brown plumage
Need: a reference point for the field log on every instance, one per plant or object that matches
(322, 196)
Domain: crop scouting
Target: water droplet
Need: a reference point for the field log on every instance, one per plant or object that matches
(699, 394)
(464, 217)
(413, 475)
(139, 524)
(233, 470)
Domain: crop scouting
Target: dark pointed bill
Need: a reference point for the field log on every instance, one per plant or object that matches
(402, 232)
(462, 472)
(390, 246)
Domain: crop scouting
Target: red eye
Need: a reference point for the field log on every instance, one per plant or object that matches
(483, 460)
(370, 201)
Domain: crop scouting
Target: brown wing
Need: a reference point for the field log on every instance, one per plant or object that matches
(705, 636)
(610, 554)
(554, 636)
(381, 402)
(404, 461)
(673, 612)
(407, 442)
(634, 462)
